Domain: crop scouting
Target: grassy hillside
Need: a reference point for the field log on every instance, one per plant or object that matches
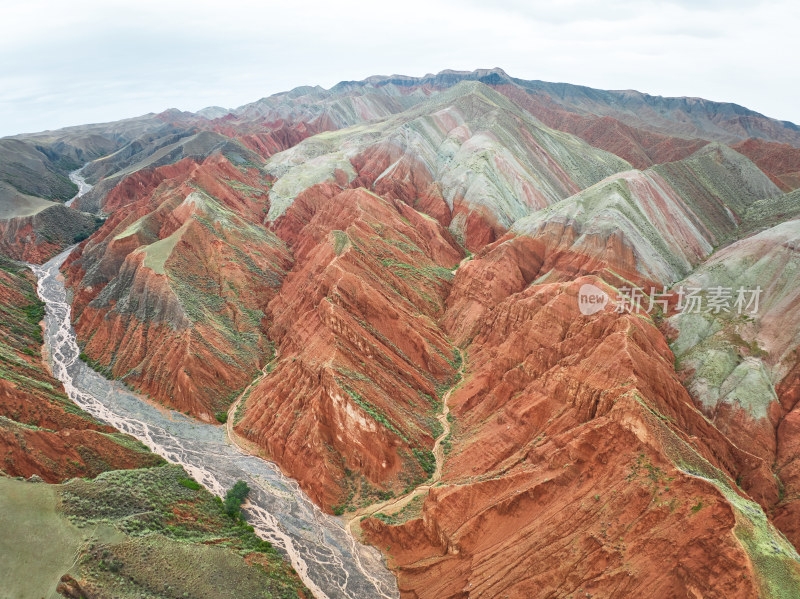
(147, 533)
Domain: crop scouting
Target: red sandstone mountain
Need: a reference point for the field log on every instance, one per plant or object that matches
(175, 285)
(311, 256)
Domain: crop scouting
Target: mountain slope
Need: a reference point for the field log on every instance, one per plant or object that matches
(352, 396)
(741, 365)
(34, 229)
(468, 157)
(654, 225)
(172, 292)
(687, 117)
(564, 473)
(780, 161)
(303, 267)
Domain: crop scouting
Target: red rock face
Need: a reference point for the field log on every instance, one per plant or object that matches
(512, 263)
(392, 174)
(270, 138)
(781, 162)
(37, 238)
(18, 241)
(67, 453)
(408, 181)
(786, 513)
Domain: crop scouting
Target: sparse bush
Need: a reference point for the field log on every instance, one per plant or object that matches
(34, 312)
(234, 498)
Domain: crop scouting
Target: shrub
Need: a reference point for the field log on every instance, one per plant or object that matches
(222, 417)
(234, 498)
(426, 459)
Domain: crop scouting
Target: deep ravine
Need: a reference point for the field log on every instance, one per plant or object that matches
(327, 558)
(83, 187)
(394, 505)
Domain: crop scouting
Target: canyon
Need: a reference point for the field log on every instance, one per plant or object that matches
(374, 287)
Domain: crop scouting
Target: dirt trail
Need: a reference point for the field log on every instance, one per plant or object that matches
(394, 505)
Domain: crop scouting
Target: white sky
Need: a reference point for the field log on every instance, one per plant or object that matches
(80, 61)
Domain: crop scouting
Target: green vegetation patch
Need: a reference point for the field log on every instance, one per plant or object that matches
(359, 493)
(234, 499)
(426, 459)
(158, 567)
(370, 409)
(418, 273)
(156, 254)
(248, 190)
(189, 484)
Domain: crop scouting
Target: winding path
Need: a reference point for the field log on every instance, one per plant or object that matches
(394, 505)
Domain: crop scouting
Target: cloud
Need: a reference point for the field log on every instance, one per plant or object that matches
(92, 60)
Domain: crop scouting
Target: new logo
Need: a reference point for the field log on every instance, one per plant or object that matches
(591, 299)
